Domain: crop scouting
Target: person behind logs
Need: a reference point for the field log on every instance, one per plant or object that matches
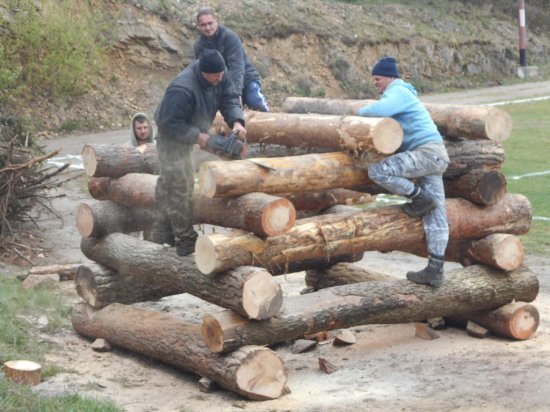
(416, 170)
(243, 74)
(183, 118)
(141, 130)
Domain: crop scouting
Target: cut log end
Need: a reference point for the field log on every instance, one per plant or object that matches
(498, 125)
(524, 322)
(510, 253)
(85, 285)
(84, 220)
(212, 334)
(89, 160)
(205, 255)
(387, 136)
(262, 296)
(262, 374)
(278, 217)
(23, 372)
(207, 182)
(492, 187)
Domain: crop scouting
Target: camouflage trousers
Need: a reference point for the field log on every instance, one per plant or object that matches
(394, 173)
(173, 221)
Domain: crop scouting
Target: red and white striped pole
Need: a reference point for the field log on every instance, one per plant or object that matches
(521, 21)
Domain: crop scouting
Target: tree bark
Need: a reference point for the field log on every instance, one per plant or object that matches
(246, 290)
(383, 229)
(342, 274)
(483, 187)
(379, 302)
(358, 134)
(468, 121)
(517, 320)
(314, 201)
(254, 372)
(103, 160)
(260, 213)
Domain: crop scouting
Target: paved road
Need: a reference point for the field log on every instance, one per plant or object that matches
(72, 145)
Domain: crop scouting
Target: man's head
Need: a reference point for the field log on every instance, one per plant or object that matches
(206, 20)
(212, 66)
(142, 129)
(384, 72)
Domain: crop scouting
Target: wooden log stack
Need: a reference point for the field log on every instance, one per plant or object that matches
(255, 203)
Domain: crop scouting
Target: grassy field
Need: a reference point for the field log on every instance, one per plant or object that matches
(527, 168)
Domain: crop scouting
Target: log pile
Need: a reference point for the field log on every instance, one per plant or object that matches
(255, 203)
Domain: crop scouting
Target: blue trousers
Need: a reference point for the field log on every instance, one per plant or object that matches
(394, 173)
(254, 98)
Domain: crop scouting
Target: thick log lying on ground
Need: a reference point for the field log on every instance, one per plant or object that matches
(472, 122)
(484, 187)
(254, 372)
(517, 320)
(358, 134)
(103, 160)
(378, 302)
(342, 274)
(260, 213)
(383, 229)
(246, 290)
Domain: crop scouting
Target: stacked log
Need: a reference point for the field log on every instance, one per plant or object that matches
(255, 201)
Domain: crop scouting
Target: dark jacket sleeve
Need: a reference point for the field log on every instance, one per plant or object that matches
(234, 59)
(198, 48)
(173, 116)
(230, 105)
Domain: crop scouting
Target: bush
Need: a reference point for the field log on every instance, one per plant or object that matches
(55, 50)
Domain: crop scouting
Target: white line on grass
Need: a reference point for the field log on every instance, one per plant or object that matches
(545, 172)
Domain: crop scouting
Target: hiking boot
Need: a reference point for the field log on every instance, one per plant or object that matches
(185, 248)
(431, 275)
(421, 203)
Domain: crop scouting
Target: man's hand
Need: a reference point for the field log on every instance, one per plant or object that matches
(202, 141)
(240, 130)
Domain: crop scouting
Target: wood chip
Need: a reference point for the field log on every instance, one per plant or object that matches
(327, 366)
(425, 332)
(303, 345)
(345, 337)
(477, 331)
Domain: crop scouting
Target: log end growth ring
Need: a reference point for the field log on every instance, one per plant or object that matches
(205, 255)
(510, 253)
(498, 125)
(387, 136)
(89, 160)
(525, 322)
(23, 372)
(278, 217)
(262, 296)
(207, 181)
(84, 220)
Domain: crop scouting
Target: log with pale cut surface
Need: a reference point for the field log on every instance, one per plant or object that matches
(376, 135)
(103, 160)
(254, 372)
(377, 302)
(383, 229)
(246, 290)
(468, 121)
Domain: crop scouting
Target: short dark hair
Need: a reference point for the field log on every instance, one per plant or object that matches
(205, 11)
(140, 119)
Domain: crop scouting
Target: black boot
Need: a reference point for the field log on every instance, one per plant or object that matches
(421, 203)
(431, 275)
(184, 248)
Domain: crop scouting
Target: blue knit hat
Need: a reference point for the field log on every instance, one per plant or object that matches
(386, 66)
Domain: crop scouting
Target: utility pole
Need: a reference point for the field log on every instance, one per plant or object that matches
(521, 22)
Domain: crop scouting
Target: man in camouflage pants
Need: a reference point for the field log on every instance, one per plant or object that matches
(421, 157)
(183, 118)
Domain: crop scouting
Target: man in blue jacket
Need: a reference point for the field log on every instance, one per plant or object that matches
(183, 118)
(243, 74)
(416, 170)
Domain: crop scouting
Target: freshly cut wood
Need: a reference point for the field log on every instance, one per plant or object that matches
(343, 273)
(517, 320)
(254, 372)
(469, 121)
(383, 229)
(373, 134)
(378, 302)
(484, 187)
(65, 272)
(477, 331)
(100, 219)
(103, 160)
(313, 201)
(260, 213)
(23, 372)
(423, 331)
(246, 290)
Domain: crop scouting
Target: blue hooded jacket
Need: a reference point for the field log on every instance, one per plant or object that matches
(399, 102)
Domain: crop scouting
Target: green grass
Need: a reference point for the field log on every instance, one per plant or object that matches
(527, 150)
(19, 339)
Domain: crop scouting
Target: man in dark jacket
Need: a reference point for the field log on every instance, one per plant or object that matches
(243, 74)
(183, 118)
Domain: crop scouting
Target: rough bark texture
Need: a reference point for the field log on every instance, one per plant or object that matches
(103, 160)
(131, 190)
(254, 372)
(470, 155)
(245, 290)
(378, 302)
(484, 187)
(468, 121)
(314, 201)
(358, 134)
(342, 274)
(383, 229)
(517, 320)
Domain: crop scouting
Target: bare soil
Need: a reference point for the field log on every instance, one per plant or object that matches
(387, 369)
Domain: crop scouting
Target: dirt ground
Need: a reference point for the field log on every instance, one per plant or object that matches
(387, 369)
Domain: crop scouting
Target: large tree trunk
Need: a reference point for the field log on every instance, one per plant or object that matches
(103, 160)
(315, 201)
(483, 187)
(246, 290)
(383, 229)
(358, 134)
(342, 274)
(468, 121)
(254, 372)
(470, 155)
(260, 213)
(378, 302)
